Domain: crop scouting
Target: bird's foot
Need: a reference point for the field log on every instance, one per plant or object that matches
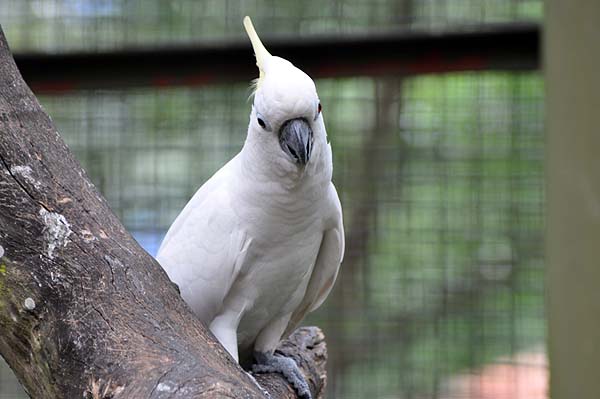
(275, 363)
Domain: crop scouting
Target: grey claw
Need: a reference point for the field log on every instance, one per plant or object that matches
(268, 363)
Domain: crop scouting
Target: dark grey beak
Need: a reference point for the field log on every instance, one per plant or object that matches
(295, 139)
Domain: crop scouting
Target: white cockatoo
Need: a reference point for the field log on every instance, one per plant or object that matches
(260, 243)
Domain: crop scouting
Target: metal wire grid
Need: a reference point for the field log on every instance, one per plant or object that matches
(440, 177)
(445, 267)
(62, 25)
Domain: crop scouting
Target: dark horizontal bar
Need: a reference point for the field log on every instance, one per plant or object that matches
(511, 47)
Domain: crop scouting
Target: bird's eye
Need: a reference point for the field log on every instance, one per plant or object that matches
(261, 123)
(319, 108)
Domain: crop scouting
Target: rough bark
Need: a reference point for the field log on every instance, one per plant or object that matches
(84, 310)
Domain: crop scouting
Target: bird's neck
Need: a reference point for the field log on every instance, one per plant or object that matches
(274, 169)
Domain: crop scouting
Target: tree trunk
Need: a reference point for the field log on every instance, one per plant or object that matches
(84, 311)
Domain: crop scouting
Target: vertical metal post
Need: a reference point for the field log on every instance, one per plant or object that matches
(572, 71)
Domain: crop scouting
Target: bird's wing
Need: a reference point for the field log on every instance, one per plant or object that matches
(329, 258)
(204, 248)
(216, 182)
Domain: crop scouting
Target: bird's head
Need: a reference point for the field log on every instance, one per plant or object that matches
(286, 121)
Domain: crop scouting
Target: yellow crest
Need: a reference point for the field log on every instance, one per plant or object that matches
(261, 53)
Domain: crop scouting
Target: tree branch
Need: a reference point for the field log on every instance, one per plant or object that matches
(84, 311)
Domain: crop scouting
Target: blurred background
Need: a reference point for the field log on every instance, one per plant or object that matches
(440, 173)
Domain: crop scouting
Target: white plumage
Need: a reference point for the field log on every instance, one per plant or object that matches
(259, 245)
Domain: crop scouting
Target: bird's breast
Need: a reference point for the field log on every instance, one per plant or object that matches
(286, 229)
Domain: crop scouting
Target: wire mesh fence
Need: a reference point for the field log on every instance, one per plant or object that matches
(60, 25)
(440, 176)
